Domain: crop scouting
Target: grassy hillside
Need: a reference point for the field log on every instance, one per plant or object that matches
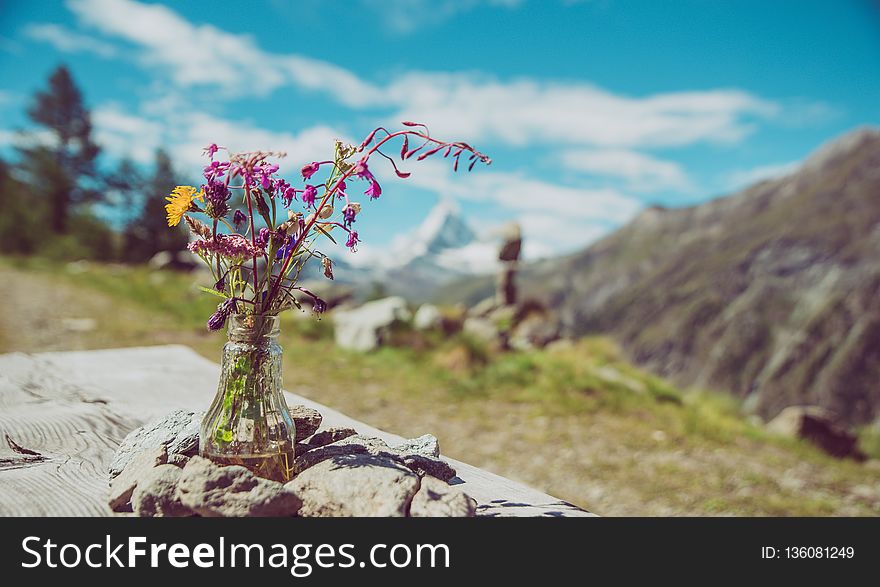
(577, 421)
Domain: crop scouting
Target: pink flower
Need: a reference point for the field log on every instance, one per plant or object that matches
(211, 150)
(310, 169)
(232, 246)
(374, 191)
(352, 241)
(309, 195)
(361, 170)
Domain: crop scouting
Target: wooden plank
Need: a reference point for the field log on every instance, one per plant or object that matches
(73, 408)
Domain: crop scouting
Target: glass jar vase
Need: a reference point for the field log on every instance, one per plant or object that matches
(248, 422)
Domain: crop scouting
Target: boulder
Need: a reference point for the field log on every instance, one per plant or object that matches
(140, 463)
(426, 445)
(405, 454)
(428, 317)
(355, 485)
(820, 427)
(156, 494)
(483, 308)
(213, 491)
(329, 436)
(178, 432)
(535, 331)
(436, 499)
(177, 260)
(365, 328)
(481, 329)
(307, 421)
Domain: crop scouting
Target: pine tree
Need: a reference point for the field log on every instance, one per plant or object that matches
(149, 232)
(62, 168)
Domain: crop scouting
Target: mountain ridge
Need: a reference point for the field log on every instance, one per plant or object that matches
(770, 293)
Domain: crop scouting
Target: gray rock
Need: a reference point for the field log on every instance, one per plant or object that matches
(178, 432)
(428, 317)
(436, 499)
(156, 494)
(309, 459)
(423, 465)
(483, 308)
(329, 436)
(355, 485)
(307, 421)
(122, 486)
(426, 445)
(358, 444)
(214, 491)
(480, 328)
(534, 332)
(366, 327)
(818, 426)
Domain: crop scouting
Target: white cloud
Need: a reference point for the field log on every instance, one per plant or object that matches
(68, 41)
(641, 172)
(203, 55)
(408, 16)
(742, 178)
(125, 135)
(185, 133)
(525, 111)
(517, 112)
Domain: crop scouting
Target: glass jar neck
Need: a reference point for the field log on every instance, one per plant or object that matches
(245, 328)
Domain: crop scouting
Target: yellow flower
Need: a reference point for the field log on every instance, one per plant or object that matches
(179, 203)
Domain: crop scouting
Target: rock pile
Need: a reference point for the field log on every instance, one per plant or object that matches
(337, 472)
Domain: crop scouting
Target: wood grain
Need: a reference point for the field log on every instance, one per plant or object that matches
(65, 414)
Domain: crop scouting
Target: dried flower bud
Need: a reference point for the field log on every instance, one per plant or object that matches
(295, 216)
(328, 267)
(325, 213)
(198, 228)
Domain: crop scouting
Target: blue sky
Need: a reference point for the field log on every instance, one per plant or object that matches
(591, 110)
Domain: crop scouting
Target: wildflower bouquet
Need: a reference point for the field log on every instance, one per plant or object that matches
(260, 231)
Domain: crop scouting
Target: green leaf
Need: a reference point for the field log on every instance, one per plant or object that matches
(327, 234)
(214, 292)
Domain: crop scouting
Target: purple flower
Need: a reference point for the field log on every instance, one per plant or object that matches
(221, 284)
(287, 248)
(319, 305)
(265, 172)
(211, 150)
(374, 191)
(348, 214)
(340, 189)
(309, 195)
(218, 318)
(352, 241)
(262, 239)
(238, 218)
(216, 197)
(288, 196)
(362, 171)
(310, 169)
(215, 169)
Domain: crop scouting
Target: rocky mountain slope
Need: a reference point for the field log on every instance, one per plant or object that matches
(772, 293)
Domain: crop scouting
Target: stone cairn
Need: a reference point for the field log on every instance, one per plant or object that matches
(508, 255)
(337, 472)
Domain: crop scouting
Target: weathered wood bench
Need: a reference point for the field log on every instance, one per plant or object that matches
(62, 415)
